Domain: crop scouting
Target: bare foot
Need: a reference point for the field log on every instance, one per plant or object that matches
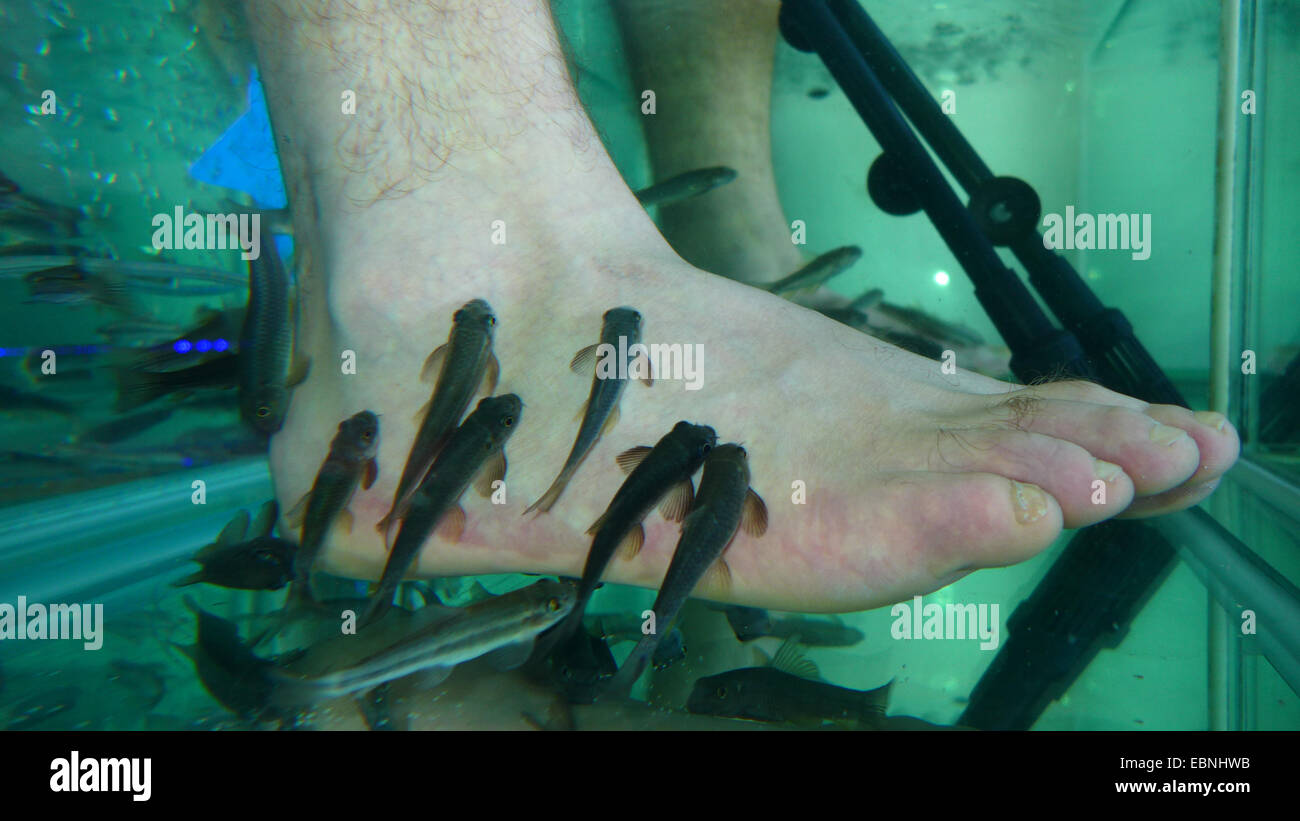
(465, 118)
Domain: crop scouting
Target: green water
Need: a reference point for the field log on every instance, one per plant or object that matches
(1105, 114)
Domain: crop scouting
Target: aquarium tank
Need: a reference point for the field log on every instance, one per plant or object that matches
(156, 574)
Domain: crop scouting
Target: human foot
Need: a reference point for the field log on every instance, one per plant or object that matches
(913, 477)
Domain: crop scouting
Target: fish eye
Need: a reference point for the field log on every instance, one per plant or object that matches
(552, 604)
(721, 692)
(263, 411)
(706, 448)
(508, 421)
(265, 556)
(492, 320)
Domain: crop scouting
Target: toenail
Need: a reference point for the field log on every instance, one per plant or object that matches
(1211, 419)
(1031, 502)
(1167, 435)
(1106, 471)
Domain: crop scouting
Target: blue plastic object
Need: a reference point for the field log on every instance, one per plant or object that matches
(244, 158)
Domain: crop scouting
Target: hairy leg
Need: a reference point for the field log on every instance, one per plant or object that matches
(710, 66)
(465, 118)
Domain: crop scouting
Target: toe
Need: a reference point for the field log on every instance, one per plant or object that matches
(1087, 489)
(1156, 457)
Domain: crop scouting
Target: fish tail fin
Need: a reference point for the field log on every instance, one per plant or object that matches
(552, 494)
(875, 702)
(136, 387)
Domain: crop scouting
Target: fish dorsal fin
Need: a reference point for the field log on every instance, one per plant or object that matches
(264, 523)
(630, 458)
(493, 469)
(753, 518)
(433, 364)
(678, 502)
(233, 533)
(788, 659)
(584, 360)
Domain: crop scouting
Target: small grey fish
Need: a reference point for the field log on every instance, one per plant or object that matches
(213, 326)
(620, 330)
(139, 328)
(868, 300)
(262, 562)
(748, 622)
(12, 399)
(814, 632)
(821, 270)
(137, 386)
(143, 680)
(778, 693)
(462, 364)
(72, 285)
(476, 447)
(350, 462)
(267, 369)
(31, 712)
(724, 504)
(670, 651)
(38, 225)
(653, 474)
(231, 673)
(931, 327)
(34, 363)
(503, 627)
(686, 185)
(126, 427)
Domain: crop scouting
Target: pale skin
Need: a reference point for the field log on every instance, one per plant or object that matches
(465, 116)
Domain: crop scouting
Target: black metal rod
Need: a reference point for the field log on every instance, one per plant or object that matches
(1038, 348)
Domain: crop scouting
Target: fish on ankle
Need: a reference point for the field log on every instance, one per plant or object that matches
(685, 185)
(476, 448)
(662, 473)
(724, 505)
(350, 463)
(620, 330)
(463, 365)
(267, 366)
